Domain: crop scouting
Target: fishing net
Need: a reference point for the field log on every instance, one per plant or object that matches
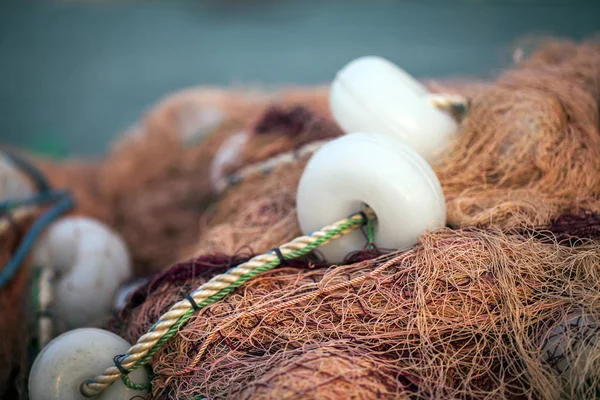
(464, 314)
(503, 303)
(172, 161)
(159, 178)
(529, 149)
(500, 305)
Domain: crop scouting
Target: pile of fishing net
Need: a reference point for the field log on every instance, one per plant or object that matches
(499, 306)
(174, 161)
(502, 303)
(463, 314)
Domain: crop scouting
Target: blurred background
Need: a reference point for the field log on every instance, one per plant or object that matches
(73, 75)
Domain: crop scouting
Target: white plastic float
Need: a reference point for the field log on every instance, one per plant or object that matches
(124, 291)
(90, 262)
(569, 345)
(75, 356)
(13, 184)
(371, 94)
(376, 170)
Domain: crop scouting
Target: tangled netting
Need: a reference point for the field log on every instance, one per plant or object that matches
(259, 214)
(571, 227)
(157, 179)
(529, 149)
(506, 305)
(164, 165)
(528, 152)
(464, 314)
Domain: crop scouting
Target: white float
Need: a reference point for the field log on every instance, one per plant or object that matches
(376, 170)
(124, 291)
(13, 184)
(71, 358)
(90, 261)
(371, 94)
(570, 344)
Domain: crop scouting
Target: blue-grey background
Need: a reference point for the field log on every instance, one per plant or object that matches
(73, 75)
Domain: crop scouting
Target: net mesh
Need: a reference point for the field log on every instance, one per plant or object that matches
(504, 305)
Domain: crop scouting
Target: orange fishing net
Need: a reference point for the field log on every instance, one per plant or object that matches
(472, 311)
(159, 179)
(529, 149)
(464, 314)
(467, 313)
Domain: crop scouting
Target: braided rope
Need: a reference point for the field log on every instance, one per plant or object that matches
(216, 288)
(265, 167)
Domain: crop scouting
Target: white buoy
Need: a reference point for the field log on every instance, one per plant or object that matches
(75, 356)
(90, 261)
(569, 345)
(371, 94)
(13, 184)
(376, 170)
(124, 291)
